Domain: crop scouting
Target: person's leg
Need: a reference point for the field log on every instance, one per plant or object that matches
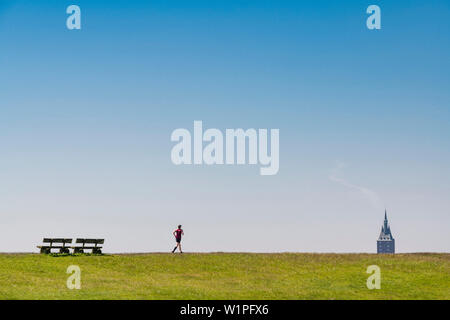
(179, 246)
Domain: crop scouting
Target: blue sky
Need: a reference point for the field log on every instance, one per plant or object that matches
(86, 117)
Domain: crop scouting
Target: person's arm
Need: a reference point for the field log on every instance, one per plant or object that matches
(175, 233)
(182, 232)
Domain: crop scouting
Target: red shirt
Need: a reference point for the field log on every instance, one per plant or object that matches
(178, 233)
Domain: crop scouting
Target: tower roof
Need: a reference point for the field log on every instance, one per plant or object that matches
(385, 234)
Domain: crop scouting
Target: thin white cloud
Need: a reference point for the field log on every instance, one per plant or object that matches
(370, 195)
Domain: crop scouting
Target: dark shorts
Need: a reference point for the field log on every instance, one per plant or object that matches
(178, 240)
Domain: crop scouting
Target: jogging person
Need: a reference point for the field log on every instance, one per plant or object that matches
(177, 234)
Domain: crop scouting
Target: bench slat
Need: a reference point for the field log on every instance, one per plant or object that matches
(57, 240)
(52, 247)
(97, 241)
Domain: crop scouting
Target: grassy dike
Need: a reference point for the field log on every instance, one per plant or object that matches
(226, 276)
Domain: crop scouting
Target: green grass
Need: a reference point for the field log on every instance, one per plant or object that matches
(226, 276)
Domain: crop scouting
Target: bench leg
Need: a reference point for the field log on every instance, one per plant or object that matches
(45, 250)
(78, 250)
(64, 250)
(97, 251)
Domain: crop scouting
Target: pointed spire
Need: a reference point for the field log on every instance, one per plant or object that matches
(385, 224)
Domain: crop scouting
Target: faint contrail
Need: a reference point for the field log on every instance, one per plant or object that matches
(372, 196)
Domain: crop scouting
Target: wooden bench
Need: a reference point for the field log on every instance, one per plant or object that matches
(95, 249)
(47, 249)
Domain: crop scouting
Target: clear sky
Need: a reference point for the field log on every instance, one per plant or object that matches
(364, 117)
